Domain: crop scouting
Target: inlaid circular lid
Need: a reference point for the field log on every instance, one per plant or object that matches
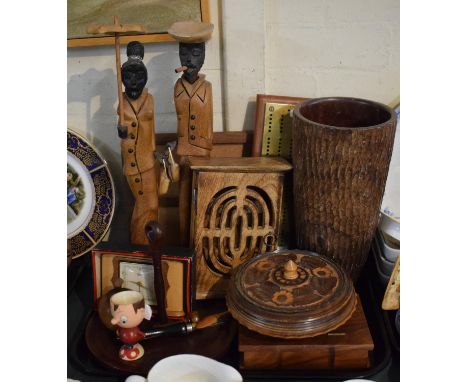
(291, 294)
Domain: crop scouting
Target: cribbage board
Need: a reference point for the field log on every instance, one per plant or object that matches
(273, 137)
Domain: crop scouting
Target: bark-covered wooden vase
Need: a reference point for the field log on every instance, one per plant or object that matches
(341, 154)
(291, 294)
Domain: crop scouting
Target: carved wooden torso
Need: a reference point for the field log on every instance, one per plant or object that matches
(235, 215)
(291, 294)
(194, 107)
(139, 146)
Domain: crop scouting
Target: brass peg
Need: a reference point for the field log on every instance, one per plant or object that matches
(290, 271)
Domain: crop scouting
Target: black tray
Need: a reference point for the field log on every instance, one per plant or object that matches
(81, 360)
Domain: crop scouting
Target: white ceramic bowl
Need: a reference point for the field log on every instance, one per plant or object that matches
(189, 368)
(390, 226)
(384, 279)
(386, 266)
(389, 252)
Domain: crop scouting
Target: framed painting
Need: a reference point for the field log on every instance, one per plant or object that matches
(156, 15)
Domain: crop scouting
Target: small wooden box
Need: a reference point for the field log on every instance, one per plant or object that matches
(236, 204)
(134, 268)
(347, 347)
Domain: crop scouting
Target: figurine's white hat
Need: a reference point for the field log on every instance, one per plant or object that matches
(191, 31)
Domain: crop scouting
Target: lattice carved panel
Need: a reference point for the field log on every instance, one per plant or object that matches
(235, 217)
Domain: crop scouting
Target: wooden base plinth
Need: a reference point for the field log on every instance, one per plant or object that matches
(347, 347)
(211, 342)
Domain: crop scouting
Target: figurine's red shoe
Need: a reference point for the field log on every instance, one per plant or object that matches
(131, 354)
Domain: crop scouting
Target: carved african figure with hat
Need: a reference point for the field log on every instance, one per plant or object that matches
(138, 144)
(135, 128)
(194, 106)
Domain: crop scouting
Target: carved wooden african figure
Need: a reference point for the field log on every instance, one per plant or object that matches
(138, 143)
(194, 106)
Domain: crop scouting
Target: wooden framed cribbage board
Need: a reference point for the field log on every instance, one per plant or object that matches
(273, 137)
(273, 123)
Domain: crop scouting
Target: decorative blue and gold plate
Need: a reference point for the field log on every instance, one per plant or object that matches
(90, 195)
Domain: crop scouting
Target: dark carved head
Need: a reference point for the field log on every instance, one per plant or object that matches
(134, 73)
(135, 48)
(192, 55)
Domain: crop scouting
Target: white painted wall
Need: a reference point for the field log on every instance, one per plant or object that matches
(244, 37)
(308, 48)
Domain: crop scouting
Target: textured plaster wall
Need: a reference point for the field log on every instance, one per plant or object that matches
(309, 48)
(340, 47)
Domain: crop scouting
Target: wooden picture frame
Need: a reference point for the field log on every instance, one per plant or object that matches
(178, 271)
(262, 100)
(143, 38)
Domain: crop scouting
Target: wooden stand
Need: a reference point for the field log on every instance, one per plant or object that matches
(348, 347)
(212, 342)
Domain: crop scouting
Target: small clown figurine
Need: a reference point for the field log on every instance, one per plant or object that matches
(128, 310)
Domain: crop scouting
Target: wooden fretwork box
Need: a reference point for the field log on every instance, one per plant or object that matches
(236, 204)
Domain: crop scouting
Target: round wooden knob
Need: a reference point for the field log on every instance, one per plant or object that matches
(194, 317)
(290, 271)
(153, 232)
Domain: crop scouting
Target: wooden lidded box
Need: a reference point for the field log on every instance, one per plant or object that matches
(236, 204)
(298, 310)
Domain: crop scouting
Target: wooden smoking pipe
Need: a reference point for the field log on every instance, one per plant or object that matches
(189, 325)
(180, 69)
(154, 234)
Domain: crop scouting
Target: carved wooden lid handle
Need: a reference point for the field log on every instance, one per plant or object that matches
(290, 271)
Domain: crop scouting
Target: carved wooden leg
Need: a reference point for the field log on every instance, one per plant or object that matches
(146, 206)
